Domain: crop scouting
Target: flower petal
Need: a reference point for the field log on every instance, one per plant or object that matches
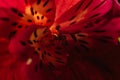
(84, 12)
(116, 9)
(63, 5)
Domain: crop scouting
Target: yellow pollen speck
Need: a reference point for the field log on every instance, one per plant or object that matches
(118, 39)
(29, 61)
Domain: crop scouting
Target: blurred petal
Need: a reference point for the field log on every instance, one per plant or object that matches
(15, 71)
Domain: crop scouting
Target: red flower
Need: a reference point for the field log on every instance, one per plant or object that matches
(57, 39)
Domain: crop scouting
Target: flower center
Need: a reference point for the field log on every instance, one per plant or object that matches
(48, 47)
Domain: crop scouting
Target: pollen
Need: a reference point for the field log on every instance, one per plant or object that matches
(29, 61)
(119, 39)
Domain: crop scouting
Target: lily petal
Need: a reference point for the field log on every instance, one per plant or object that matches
(84, 12)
